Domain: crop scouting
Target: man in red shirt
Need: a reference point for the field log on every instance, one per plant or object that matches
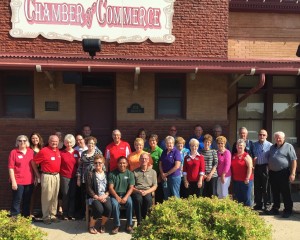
(115, 150)
(49, 160)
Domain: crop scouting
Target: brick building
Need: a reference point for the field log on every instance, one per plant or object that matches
(231, 63)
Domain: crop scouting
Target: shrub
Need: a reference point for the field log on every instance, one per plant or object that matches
(202, 218)
(18, 228)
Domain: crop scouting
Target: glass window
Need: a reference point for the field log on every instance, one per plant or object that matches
(252, 107)
(253, 126)
(170, 95)
(17, 91)
(284, 81)
(285, 106)
(248, 81)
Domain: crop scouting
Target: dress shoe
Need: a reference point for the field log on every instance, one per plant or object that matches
(273, 211)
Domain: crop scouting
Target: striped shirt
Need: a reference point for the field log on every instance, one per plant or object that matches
(259, 151)
(211, 160)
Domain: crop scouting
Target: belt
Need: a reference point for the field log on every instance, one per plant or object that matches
(51, 173)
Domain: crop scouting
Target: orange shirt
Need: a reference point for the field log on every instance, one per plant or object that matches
(134, 160)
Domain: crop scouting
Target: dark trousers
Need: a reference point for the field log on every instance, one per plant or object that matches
(141, 205)
(260, 185)
(280, 184)
(159, 194)
(100, 209)
(68, 191)
(193, 189)
(210, 188)
(23, 193)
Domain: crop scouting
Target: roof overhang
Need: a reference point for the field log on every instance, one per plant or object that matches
(81, 63)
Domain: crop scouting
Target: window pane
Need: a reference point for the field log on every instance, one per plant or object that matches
(252, 107)
(248, 81)
(17, 85)
(169, 106)
(18, 105)
(284, 81)
(253, 126)
(169, 88)
(286, 126)
(284, 106)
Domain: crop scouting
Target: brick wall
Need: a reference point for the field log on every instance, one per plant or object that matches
(200, 28)
(263, 35)
(10, 129)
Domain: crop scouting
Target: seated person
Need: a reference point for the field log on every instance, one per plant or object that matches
(98, 195)
(145, 184)
(121, 182)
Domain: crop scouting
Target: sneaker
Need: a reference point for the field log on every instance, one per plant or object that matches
(47, 221)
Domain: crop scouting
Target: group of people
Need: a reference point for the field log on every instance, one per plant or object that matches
(202, 166)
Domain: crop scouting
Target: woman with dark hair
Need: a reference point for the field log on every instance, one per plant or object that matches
(98, 195)
(36, 144)
(143, 134)
(21, 176)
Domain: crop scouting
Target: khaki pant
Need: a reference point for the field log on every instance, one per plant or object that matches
(50, 189)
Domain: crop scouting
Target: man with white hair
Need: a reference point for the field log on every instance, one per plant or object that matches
(115, 150)
(282, 163)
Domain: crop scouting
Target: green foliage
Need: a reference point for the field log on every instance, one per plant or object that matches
(202, 218)
(18, 228)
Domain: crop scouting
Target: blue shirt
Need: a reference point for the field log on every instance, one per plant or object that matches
(260, 150)
(201, 142)
(168, 161)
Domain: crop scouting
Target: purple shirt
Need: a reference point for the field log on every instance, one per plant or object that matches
(224, 163)
(168, 161)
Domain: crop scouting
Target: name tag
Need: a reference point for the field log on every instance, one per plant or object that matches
(20, 156)
(188, 160)
(52, 158)
(125, 177)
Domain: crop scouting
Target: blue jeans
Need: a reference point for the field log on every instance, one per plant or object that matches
(172, 187)
(116, 211)
(24, 193)
(242, 192)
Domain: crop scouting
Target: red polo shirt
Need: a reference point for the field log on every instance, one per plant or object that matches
(48, 159)
(69, 162)
(113, 152)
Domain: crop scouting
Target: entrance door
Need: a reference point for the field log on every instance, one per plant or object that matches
(96, 106)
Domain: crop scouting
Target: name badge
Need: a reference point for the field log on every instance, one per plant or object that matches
(52, 158)
(20, 156)
(125, 177)
(188, 160)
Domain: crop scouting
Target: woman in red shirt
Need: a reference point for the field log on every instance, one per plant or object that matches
(241, 166)
(21, 176)
(193, 170)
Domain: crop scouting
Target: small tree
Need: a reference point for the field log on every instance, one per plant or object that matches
(202, 218)
(18, 228)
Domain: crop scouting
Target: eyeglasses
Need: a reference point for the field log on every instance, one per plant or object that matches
(261, 134)
(22, 140)
(79, 139)
(98, 163)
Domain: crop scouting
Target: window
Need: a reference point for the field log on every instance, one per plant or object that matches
(170, 95)
(275, 107)
(17, 94)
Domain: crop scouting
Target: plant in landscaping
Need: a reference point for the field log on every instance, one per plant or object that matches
(18, 228)
(202, 218)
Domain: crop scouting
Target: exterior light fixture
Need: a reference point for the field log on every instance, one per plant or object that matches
(91, 46)
(298, 51)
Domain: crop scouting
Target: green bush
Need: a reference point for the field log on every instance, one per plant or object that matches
(202, 218)
(18, 228)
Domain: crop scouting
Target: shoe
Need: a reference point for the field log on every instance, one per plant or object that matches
(47, 221)
(273, 211)
(72, 218)
(92, 230)
(257, 207)
(286, 214)
(55, 220)
(102, 229)
(129, 229)
(115, 230)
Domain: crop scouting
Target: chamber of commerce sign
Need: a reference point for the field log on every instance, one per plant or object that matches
(108, 20)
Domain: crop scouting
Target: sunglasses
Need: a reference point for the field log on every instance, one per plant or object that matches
(262, 134)
(98, 163)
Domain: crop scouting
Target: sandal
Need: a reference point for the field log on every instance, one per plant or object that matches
(102, 229)
(92, 230)
(115, 230)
